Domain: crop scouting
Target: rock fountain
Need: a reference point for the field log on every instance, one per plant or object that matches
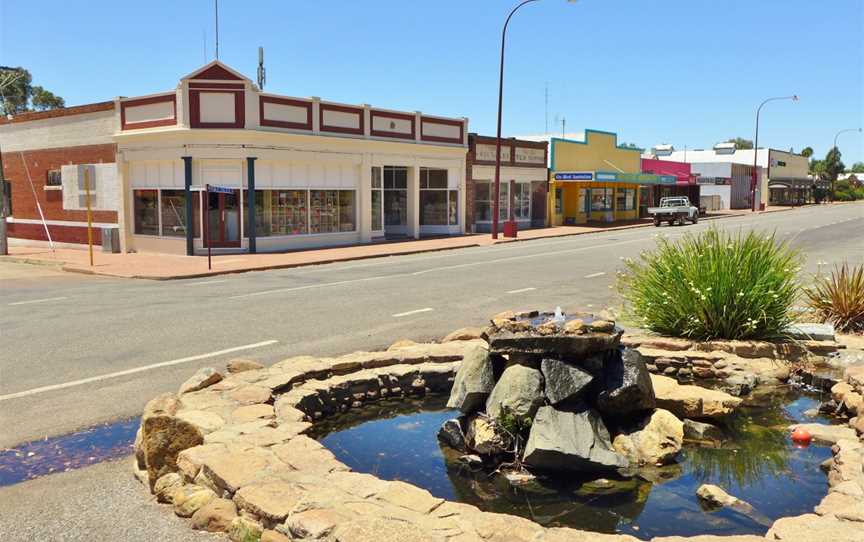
(559, 393)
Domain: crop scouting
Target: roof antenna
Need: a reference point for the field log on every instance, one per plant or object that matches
(262, 73)
(216, 3)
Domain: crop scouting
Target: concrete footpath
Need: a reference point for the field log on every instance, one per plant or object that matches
(170, 266)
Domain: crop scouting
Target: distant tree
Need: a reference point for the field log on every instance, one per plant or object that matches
(807, 152)
(857, 167)
(630, 146)
(817, 167)
(833, 166)
(741, 143)
(19, 95)
(43, 99)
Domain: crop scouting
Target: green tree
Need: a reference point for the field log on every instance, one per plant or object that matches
(43, 99)
(807, 152)
(857, 167)
(19, 95)
(741, 143)
(833, 166)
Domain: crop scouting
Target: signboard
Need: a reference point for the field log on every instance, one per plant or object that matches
(636, 178)
(220, 189)
(574, 176)
(486, 153)
(525, 155)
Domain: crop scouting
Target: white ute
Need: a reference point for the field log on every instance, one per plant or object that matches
(674, 209)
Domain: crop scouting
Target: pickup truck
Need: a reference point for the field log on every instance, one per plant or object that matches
(674, 209)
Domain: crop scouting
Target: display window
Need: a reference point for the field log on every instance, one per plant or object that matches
(146, 211)
(162, 212)
(395, 196)
(438, 205)
(601, 199)
(483, 196)
(331, 211)
(522, 203)
(625, 199)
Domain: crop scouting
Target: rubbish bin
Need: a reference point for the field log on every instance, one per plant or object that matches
(510, 229)
(111, 240)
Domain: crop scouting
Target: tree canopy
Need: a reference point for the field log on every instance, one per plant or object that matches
(832, 164)
(18, 94)
(857, 167)
(807, 152)
(741, 143)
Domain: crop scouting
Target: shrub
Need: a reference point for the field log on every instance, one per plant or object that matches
(713, 285)
(839, 299)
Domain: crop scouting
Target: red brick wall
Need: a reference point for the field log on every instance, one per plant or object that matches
(59, 234)
(39, 162)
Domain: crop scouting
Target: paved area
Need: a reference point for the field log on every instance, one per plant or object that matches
(79, 350)
(163, 266)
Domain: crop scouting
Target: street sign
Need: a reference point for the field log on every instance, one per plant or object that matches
(221, 189)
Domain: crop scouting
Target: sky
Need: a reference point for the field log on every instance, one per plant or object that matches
(686, 72)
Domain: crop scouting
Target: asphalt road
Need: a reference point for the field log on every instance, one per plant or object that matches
(58, 329)
(66, 337)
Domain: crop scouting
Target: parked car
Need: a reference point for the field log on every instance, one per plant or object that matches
(674, 209)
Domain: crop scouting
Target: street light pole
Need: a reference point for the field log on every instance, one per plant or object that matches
(834, 177)
(497, 189)
(754, 182)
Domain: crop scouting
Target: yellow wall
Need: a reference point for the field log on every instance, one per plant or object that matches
(572, 209)
(594, 154)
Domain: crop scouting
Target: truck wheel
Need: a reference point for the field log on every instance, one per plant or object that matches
(656, 222)
(695, 218)
(672, 221)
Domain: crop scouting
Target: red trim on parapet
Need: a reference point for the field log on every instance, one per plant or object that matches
(281, 123)
(389, 115)
(459, 123)
(343, 109)
(148, 123)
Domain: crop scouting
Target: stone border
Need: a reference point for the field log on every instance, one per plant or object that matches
(234, 457)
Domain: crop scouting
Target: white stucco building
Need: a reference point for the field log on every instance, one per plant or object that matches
(284, 172)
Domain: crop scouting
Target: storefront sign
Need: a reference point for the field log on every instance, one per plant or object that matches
(636, 178)
(486, 153)
(575, 176)
(530, 156)
(220, 189)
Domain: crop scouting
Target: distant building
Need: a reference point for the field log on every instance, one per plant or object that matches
(783, 176)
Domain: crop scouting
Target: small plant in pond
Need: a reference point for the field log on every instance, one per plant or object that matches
(514, 424)
(713, 285)
(839, 299)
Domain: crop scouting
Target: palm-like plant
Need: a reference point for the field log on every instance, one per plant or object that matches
(839, 299)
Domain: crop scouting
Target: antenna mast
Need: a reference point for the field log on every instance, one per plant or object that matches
(216, 3)
(563, 126)
(546, 107)
(262, 73)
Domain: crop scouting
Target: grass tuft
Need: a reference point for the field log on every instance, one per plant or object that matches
(839, 299)
(713, 285)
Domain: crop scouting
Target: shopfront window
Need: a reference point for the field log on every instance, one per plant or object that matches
(438, 205)
(174, 213)
(482, 201)
(625, 199)
(395, 196)
(331, 211)
(146, 211)
(280, 212)
(522, 209)
(601, 199)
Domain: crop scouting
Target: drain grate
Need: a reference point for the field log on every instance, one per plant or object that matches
(67, 452)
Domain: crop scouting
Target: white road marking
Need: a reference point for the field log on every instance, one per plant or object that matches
(519, 291)
(205, 282)
(409, 313)
(46, 300)
(107, 376)
(595, 275)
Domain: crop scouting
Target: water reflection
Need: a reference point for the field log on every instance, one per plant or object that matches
(756, 463)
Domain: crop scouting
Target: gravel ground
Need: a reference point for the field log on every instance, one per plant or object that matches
(102, 502)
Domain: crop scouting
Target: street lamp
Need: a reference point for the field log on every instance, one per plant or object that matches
(498, 139)
(754, 183)
(834, 177)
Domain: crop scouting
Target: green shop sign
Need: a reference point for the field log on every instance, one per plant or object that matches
(635, 178)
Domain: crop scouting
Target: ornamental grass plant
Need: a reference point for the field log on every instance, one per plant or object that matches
(713, 285)
(839, 299)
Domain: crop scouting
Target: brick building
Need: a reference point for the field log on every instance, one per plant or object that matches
(36, 146)
(523, 177)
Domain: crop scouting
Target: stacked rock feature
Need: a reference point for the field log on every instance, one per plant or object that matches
(559, 394)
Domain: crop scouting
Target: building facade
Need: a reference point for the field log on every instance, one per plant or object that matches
(523, 180)
(685, 182)
(218, 162)
(595, 179)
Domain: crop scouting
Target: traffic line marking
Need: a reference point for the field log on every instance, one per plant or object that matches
(108, 376)
(409, 313)
(595, 275)
(519, 291)
(46, 300)
(205, 282)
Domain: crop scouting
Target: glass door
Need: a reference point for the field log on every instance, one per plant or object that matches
(377, 202)
(395, 200)
(223, 219)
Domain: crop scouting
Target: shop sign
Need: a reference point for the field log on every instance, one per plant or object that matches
(574, 176)
(486, 153)
(213, 189)
(530, 156)
(637, 178)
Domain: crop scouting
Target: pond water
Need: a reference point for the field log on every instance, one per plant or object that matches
(757, 463)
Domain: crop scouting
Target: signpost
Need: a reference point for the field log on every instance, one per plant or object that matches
(87, 172)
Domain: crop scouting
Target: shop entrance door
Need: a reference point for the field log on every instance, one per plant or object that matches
(223, 219)
(395, 203)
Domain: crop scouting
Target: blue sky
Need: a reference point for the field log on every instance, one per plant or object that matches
(686, 72)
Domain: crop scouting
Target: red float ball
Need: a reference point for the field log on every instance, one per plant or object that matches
(801, 436)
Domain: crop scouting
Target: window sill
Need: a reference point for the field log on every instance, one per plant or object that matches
(52, 187)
